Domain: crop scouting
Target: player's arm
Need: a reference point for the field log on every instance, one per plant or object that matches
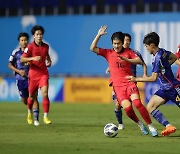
(151, 78)
(135, 61)
(13, 68)
(177, 62)
(93, 46)
(172, 58)
(28, 59)
(49, 62)
(144, 69)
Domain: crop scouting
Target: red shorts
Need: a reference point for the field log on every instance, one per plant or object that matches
(125, 91)
(34, 85)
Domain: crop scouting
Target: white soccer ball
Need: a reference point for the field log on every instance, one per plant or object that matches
(110, 130)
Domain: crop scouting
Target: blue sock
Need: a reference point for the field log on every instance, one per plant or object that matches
(159, 117)
(36, 114)
(118, 114)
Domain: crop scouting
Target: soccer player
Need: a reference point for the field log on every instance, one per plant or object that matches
(119, 60)
(117, 110)
(170, 86)
(37, 54)
(21, 74)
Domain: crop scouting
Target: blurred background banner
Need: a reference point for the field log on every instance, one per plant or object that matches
(9, 91)
(88, 90)
(70, 37)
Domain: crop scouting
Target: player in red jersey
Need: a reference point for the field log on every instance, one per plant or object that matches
(37, 54)
(120, 60)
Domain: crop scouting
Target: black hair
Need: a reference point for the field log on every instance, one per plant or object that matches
(152, 37)
(37, 27)
(118, 35)
(128, 35)
(23, 34)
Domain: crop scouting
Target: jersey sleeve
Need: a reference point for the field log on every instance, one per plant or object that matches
(12, 58)
(27, 51)
(103, 52)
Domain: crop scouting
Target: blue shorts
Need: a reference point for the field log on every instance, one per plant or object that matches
(172, 94)
(23, 88)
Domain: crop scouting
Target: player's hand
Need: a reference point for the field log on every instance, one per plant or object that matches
(48, 63)
(108, 70)
(102, 30)
(131, 78)
(22, 73)
(37, 58)
(122, 58)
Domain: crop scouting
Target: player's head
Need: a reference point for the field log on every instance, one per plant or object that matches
(151, 41)
(37, 31)
(23, 39)
(127, 40)
(117, 39)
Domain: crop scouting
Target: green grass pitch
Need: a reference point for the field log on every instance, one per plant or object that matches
(78, 128)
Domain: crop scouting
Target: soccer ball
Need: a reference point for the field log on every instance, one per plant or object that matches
(110, 130)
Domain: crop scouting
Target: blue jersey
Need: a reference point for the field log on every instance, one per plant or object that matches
(161, 65)
(133, 66)
(14, 59)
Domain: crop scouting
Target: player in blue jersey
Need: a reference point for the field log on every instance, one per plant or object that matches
(170, 86)
(21, 74)
(117, 110)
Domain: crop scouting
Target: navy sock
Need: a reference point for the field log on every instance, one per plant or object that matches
(159, 117)
(36, 114)
(118, 114)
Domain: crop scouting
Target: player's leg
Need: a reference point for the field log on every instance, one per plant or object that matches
(118, 114)
(36, 110)
(118, 111)
(33, 88)
(126, 104)
(135, 98)
(23, 90)
(45, 102)
(152, 106)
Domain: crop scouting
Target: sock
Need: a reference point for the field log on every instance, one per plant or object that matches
(131, 114)
(45, 103)
(159, 117)
(118, 114)
(30, 104)
(45, 114)
(142, 110)
(36, 114)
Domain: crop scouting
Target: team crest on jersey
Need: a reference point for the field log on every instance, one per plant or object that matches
(26, 50)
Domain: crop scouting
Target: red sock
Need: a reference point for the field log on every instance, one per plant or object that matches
(142, 110)
(45, 103)
(131, 114)
(30, 103)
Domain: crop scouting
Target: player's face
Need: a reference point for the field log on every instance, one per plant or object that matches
(38, 36)
(127, 42)
(23, 42)
(149, 48)
(117, 45)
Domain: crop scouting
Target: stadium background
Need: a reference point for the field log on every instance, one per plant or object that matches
(78, 75)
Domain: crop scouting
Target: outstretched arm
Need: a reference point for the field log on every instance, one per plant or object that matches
(151, 78)
(93, 46)
(133, 61)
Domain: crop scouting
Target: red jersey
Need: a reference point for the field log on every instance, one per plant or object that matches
(119, 69)
(37, 69)
(178, 56)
